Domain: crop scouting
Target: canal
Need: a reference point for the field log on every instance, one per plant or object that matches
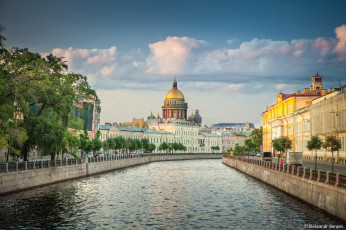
(191, 194)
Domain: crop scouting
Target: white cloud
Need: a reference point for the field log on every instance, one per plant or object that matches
(170, 56)
(340, 47)
(107, 56)
(231, 41)
(221, 70)
(108, 70)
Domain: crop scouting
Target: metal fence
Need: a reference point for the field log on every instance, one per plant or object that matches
(46, 163)
(323, 177)
(307, 174)
(330, 178)
(314, 174)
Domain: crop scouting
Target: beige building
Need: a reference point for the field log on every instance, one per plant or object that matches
(328, 117)
(179, 132)
(183, 132)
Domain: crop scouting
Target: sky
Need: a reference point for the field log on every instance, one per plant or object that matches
(230, 58)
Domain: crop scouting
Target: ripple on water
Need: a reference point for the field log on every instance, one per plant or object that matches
(203, 194)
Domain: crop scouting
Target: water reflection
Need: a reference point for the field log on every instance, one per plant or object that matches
(203, 194)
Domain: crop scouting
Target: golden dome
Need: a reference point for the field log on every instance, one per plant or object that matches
(174, 93)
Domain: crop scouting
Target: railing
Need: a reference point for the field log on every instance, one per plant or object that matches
(314, 175)
(307, 174)
(332, 178)
(320, 176)
(343, 181)
(323, 177)
(46, 163)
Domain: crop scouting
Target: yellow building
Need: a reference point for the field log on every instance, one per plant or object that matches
(279, 119)
(137, 122)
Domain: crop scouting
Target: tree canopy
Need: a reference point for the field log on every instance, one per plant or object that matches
(37, 94)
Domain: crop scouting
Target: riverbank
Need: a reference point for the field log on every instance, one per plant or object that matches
(323, 195)
(25, 179)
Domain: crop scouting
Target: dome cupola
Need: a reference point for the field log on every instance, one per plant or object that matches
(174, 106)
(175, 93)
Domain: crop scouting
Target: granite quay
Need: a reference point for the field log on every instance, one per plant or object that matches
(20, 176)
(324, 190)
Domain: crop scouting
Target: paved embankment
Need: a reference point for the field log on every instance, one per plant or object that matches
(25, 179)
(323, 195)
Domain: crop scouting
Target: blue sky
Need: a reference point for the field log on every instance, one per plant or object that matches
(230, 57)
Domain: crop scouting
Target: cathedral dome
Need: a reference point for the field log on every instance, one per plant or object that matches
(175, 93)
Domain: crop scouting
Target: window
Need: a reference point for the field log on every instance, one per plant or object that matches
(306, 125)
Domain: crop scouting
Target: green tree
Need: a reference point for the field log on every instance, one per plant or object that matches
(281, 144)
(96, 143)
(132, 145)
(50, 138)
(250, 146)
(332, 143)
(184, 148)
(145, 144)
(257, 137)
(315, 143)
(139, 144)
(2, 38)
(122, 143)
(32, 86)
(15, 139)
(181, 146)
(105, 146)
(215, 148)
(86, 144)
(163, 146)
(170, 148)
(111, 143)
(151, 148)
(238, 150)
(175, 146)
(73, 144)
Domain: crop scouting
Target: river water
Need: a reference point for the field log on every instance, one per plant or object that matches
(191, 194)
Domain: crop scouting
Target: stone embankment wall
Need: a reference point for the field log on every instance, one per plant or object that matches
(25, 179)
(330, 198)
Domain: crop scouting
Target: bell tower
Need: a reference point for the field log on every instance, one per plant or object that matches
(317, 82)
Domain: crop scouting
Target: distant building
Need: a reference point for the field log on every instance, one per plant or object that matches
(89, 111)
(234, 126)
(173, 126)
(174, 104)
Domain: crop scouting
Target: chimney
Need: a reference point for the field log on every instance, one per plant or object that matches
(324, 92)
(306, 90)
(299, 92)
(330, 90)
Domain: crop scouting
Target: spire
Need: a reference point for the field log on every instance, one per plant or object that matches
(175, 84)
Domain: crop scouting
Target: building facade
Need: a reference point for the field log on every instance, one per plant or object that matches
(278, 119)
(299, 116)
(174, 104)
(173, 126)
